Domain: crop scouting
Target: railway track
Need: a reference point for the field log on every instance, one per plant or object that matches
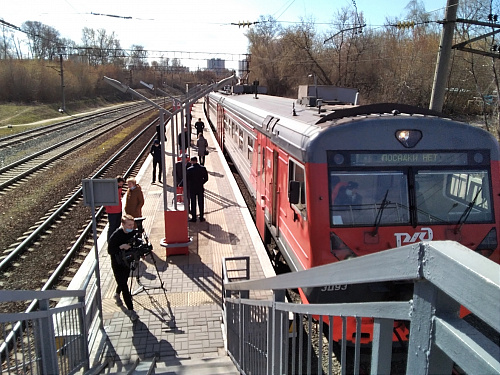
(35, 133)
(57, 222)
(52, 246)
(29, 165)
(25, 158)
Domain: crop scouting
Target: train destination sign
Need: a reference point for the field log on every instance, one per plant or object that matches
(407, 159)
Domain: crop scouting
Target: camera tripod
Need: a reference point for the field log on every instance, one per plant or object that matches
(143, 287)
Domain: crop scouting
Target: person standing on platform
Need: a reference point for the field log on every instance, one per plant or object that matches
(202, 145)
(156, 153)
(115, 212)
(186, 139)
(197, 176)
(199, 125)
(134, 198)
(178, 169)
(120, 241)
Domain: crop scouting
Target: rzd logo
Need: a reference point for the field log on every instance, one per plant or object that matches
(405, 238)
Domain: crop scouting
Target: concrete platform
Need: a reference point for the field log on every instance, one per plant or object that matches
(180, 307)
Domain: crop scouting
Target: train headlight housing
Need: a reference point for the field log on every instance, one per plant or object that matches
(339, 249)
(488, 244)
(409, 138)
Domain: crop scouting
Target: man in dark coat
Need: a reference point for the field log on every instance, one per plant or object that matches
(186, 139)
(197, 176)
(178, 169)
(199, 125)
(156, 153)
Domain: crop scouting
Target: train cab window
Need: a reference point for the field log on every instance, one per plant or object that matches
(453, 196)
(297, 174)
(369, 198)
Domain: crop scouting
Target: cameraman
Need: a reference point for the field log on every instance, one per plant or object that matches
(119, 241)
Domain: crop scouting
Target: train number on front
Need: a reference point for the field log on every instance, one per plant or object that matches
(334, 288)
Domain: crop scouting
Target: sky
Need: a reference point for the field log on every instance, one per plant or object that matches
(192, 30)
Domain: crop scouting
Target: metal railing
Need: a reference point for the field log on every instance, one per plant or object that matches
(275, 337)
(47, 338)
(45, 341)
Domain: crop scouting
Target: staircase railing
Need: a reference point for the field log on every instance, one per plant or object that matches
(445, 276)
(50, 340)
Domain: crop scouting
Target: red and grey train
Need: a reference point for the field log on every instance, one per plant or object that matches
(355, 180)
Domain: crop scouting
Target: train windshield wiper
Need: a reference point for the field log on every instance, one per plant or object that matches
(467, 211)
(380, 211)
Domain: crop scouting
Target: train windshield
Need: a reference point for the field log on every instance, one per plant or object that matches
(369, 198)
(453, 197)
(373, 198)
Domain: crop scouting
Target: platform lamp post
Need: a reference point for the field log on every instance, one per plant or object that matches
(175, 221)
(179, 106)
(176, 239)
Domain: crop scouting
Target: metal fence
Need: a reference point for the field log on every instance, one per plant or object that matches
(53, 335)
(276, 337)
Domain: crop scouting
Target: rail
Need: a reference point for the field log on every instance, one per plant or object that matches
(445, 276)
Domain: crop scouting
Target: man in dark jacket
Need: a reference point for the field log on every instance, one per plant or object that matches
(120, 241)
(199, 125)
(186, 140)
(197, 176)
(156, 153)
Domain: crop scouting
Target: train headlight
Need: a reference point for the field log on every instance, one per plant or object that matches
(409, 138)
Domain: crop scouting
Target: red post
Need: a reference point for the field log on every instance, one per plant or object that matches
(176, 239)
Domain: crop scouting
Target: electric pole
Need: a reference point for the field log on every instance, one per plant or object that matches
(443, 60)
(63, 108)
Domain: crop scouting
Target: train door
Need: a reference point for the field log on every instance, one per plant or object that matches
(220, 125)
(274, 189)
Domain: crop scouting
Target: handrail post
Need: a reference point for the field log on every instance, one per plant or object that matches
(274, 347)
(83, 324)
(423, 353)
(47, 343)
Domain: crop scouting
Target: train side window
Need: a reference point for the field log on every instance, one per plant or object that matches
(297, 180)
(240, 139)
(250, 149)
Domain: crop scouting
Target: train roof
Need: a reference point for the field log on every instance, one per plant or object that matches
(296, 127)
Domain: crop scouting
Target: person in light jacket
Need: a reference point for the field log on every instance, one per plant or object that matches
(134, 198)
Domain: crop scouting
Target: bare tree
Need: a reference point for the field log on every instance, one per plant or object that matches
(266, 51)
(43, 40)
(5, 44)
(138, 57)
(101, 48)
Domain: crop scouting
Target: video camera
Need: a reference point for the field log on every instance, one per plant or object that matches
(140, 245)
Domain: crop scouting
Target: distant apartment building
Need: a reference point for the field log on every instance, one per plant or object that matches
(216, 65)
